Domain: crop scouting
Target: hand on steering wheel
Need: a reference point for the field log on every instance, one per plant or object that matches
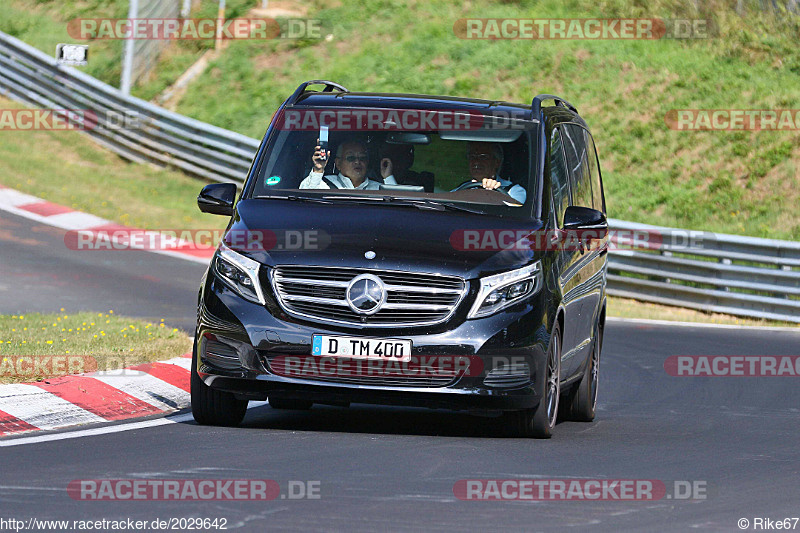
(487, 183)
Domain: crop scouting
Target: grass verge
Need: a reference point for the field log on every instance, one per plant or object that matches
(627, 308)
(36, 346)
(68, 168)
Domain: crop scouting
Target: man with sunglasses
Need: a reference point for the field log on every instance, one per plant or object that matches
(352, 160)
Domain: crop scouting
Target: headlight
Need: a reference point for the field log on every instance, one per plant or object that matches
(501, 290)
(240, 273)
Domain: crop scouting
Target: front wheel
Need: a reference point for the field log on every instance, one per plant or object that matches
(540, 421)
(584, 400)
(213, 407)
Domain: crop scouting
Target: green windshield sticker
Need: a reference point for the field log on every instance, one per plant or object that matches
(273, 180)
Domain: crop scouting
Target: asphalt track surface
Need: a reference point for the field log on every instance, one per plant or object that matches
(38, 272)
(395, 468)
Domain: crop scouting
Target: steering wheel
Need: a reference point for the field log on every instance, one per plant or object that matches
(470, 184)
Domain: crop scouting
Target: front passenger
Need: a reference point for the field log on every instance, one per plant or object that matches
(352, 160)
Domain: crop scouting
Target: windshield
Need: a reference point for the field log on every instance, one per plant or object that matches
(479, 164)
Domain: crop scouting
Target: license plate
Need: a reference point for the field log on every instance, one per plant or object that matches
(361, 347)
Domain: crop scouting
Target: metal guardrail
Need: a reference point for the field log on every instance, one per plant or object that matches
(159, 136)
(742, 276)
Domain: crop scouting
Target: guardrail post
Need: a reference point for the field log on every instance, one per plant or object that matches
(220, 22)
(127, 56)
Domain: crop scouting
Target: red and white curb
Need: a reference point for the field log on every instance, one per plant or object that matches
(59, 216)
(137, 391)
(96, 397)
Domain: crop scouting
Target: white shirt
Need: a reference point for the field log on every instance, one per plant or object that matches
(314, 181)
(517, 192)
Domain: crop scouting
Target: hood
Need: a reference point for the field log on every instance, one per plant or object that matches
(405, 238)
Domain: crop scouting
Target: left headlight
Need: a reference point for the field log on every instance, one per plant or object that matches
(240, 273)
(501, 290)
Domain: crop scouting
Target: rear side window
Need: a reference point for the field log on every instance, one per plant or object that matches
(598, 201)
(558, 177)
(578, 164)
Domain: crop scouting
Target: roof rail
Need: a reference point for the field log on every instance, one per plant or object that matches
(536, 105)
(329, 87)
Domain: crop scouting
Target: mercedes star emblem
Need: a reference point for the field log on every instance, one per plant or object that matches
(366, 294)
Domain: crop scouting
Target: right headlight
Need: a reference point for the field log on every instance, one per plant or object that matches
(240, 273)
(501, 290)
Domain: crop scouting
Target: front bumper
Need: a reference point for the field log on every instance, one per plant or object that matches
(515, 339)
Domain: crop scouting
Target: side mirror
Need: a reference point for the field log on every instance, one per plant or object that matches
(217, 199)
(586, 218)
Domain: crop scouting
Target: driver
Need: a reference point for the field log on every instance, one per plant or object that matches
(352, 160)
(485, 159)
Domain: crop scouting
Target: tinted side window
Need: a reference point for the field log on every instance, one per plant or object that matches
(558, 177)
(598, 202)
(578, 165)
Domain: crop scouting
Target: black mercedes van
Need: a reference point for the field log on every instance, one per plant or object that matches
(412, 250)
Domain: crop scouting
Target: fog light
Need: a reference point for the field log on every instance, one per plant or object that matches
(507, 376)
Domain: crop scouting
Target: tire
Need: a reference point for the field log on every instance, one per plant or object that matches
(213, 407)
(584, 397)
(296, 405)
(540, 421)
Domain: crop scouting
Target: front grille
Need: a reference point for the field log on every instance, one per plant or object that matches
(355, 372)
(412, 299)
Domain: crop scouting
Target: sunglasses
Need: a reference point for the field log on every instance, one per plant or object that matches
(480, 157)
(353, 158)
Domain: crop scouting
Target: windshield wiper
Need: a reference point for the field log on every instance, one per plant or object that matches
(416, 202)
(421, 203)
(292, 197)
(357, 198)
(432, 204)
(411, 202)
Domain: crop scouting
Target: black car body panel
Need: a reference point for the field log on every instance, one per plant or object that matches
(240, 340)
(423, 247)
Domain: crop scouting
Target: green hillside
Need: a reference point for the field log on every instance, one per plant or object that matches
(736, 182)
(68, 168)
